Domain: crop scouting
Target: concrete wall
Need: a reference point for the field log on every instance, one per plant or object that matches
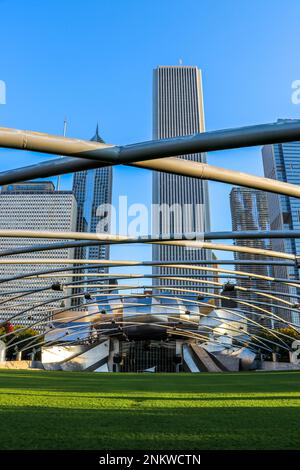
(268, 365)
(21, 365)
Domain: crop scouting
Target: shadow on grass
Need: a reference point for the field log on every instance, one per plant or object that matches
(149, 398)
(279, 382)
(154, 428)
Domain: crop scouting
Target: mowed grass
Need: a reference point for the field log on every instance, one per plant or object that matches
(68, 410)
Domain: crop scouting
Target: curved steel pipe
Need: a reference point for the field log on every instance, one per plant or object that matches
(171, 276)
(178, 278)
(216, 285)
(254, 234)
(185, 290)
(175, 264)
(123, 239)
(87, 284)
(118, 263)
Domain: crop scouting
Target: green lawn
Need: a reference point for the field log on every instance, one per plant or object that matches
(68, 410)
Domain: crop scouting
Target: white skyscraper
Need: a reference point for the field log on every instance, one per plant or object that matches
(177, 111)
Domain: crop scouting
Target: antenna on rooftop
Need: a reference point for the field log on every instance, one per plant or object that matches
(64, 134)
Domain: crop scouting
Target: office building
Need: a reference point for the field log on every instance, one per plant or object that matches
(92, 189)
(282, 162)
(180, 203)
(34, 206)
(249, 211)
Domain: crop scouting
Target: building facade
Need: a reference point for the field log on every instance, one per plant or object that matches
(180, 203)
(249, 211)
(92, 189)
(34, 206)
(282, 162)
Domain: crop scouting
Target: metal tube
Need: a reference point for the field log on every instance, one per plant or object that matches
(190, 291)
(53, 144)
(188, 264)
(123, 239)
(232, 248)
(247, 136)
(171, 165)
(87, 283)
(182, 288)
(249, 234)
(118, 263)
(252, 135)
(171, 276)
(212, 173)
(206, 236)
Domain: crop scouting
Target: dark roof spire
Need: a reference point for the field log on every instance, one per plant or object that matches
(97, 137)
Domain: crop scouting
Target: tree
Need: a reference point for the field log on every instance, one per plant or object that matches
(291, 335)
(26, 336)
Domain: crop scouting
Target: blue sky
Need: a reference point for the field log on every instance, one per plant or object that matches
(92, 61)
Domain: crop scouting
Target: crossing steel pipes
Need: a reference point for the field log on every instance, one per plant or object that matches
(211, 141)
(248, 136)
(151, 154)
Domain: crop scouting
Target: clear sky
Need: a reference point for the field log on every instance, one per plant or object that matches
(92, 61)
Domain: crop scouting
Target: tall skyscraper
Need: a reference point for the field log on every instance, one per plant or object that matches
(177, 111)
(282, 162)
(34, 206)
(92, 189)
(249, 211)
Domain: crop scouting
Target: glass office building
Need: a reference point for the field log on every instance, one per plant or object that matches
(282, 162)
(92, 189)
(249, 211)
